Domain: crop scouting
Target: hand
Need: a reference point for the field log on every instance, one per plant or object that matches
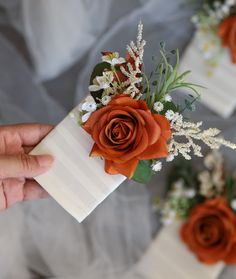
(17, 168)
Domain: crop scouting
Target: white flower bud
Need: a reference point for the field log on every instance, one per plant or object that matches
(158, 106)
(85, 117)
(168, 98)
(157, 166)
(106, 100)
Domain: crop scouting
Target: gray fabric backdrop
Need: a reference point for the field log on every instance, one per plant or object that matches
(40, 237)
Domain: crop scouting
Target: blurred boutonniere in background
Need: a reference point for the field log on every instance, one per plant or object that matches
(215, 21)
(205, 201)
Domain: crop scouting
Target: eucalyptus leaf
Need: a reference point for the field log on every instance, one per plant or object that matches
(170, 106)
(143, 172)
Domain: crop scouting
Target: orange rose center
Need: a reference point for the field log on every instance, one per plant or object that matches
(209, 231)
(120, 129)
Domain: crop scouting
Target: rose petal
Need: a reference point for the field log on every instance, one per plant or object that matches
(124, 100)
(210, 232)
(88, 126)
(127, 169)
(227, 32)
(157, 150)
(138, 149)
(152, 127)
(164, 124)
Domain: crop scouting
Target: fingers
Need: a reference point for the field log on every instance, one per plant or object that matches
(16, 190)
(30, 134)
(28, 149)
(11, 192)
(23, 165)
(33, 191)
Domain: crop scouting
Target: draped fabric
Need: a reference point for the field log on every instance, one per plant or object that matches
(60, 34)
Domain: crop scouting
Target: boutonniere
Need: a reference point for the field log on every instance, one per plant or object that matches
(135, 124)
(205, 202)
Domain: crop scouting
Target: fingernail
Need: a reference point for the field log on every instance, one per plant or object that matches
(45, 161)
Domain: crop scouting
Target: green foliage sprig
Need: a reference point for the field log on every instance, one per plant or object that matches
(166, 79)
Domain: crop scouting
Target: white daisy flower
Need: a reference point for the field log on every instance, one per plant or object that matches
(158, 106)
(113, 58)
(89, 104)
(170, 114)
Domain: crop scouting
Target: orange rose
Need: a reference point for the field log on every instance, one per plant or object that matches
(125, 131)
(210, 232)
(227, 32)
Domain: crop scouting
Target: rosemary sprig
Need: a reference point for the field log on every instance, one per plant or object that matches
(166, 78)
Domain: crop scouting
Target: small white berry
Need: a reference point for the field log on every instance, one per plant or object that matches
(158, 106)
(157, 166)
(170, 158)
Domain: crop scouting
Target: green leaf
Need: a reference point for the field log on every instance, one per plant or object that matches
(98, 71)
(170, 106)
(143, 172)
(188, 105)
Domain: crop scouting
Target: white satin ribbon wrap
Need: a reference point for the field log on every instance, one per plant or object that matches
(76, 181)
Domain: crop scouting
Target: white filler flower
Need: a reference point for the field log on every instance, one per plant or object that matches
(158, 106)
(89, 104)
(102, 82)
(168, 98)
(170, 114)
(157, 166)
(113, 58)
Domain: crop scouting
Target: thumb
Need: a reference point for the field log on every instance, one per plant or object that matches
(23, 165)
